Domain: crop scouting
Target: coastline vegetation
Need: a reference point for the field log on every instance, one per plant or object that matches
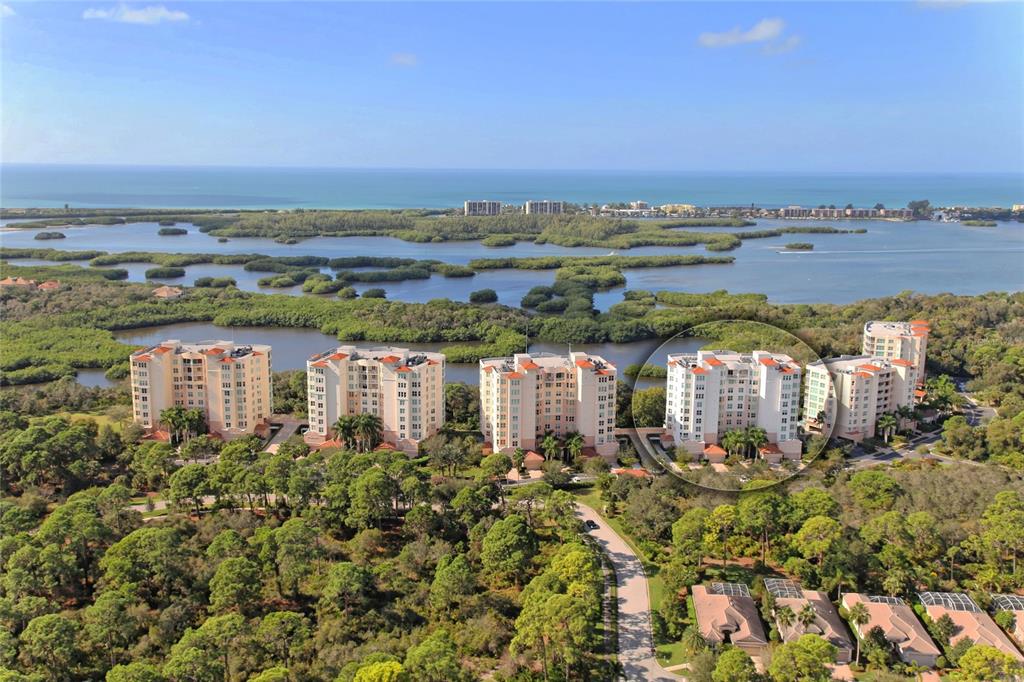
(165, 273)
(42, 236)
(171, 231)
(799, 246)
(979, 223)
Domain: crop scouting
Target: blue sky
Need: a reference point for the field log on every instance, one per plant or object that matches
(859, 86)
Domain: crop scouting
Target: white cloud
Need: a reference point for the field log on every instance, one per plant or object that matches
(783, 46)
(763, 31)
(7, 11)
(152, 14)
(404, 59)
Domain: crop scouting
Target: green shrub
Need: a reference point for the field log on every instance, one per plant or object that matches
(484, 296)
(165, 273)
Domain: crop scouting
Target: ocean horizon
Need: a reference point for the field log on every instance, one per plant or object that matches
(102, 186)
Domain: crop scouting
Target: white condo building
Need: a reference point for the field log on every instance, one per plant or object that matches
(230, 383)
(528, 395)
(712, 392)
(898, 340)
(847, 395)
(482, 207)
(543, 207)
(404, 388)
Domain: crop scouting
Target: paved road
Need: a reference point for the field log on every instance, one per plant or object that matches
(635, 641)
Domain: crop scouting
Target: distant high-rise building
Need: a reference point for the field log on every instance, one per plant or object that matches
(712, 392)
(483, 207)
(230, 383)
(404, 388)
(528, 395)
(543, 207)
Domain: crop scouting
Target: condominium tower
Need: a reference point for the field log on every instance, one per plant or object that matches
(898, 340)
(404, 388)
(847, 395)
(712, 392)
(543, 207)
(483, 207)
(528, 395)
(230, 383)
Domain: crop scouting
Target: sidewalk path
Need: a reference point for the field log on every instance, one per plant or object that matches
(635, 641)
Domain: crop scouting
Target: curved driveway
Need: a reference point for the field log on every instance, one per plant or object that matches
(635, 641)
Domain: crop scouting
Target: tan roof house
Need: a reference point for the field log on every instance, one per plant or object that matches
(168, 293)
(969, 620)
(726, 614)
(17, 282)
(827, 624)
(533, 461)
(900, 626)
(1014, 603)
(49, 285)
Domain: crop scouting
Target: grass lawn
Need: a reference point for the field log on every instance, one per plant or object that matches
(100, 418)
(668, 654)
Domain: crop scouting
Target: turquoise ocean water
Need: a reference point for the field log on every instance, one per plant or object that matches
(210, 187)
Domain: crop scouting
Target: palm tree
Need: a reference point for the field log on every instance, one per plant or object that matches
(755, 437)
(906, 412)
(858, 616)
(369, 430)
(807, 615)
(733, 441)
(574, 445)
(551, 446)
(345, 430)
(174, 419)
(193, 422)
(518, 455)
(784, 616)
(887, 424)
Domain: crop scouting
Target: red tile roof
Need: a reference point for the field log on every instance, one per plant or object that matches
(513, 375)
(528, 364)
(714, 450)
(403, 369)
(869, 368)
(699, 370)
(390, 358)
(902, 363)
(768, 362)
(863, 375)
(321, 363)
(143, 358)
(714, 362)
(585, 364)
(337, 356)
